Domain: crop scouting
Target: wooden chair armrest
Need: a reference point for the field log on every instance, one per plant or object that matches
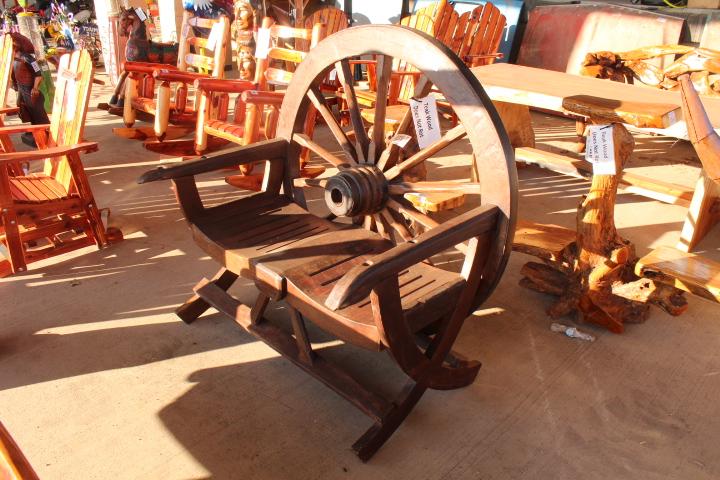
(146, 67)
(362, 62)
(10, 129)
(222, 85)
(257, 152)
(165, 75)
(259, 97)
(358, 282)
(48, 152)
(9, 110)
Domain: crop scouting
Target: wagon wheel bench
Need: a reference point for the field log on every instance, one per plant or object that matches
(361, 273)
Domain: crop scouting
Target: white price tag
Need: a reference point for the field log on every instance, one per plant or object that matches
(263, 43)
(600, 149)
(332, 75)
(213, 37)
(140, 13)
(426, 121)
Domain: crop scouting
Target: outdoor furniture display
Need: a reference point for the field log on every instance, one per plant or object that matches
(610, 102)
(55, 207)
(675, 266)
(250, 123)
(360, 273)
(140, 102)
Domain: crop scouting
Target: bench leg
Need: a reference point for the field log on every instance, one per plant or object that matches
(379, 433)
(196, 306)
(518, 123)
(703, 214)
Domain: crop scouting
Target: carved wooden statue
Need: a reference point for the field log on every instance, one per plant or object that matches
(242, 35)
(366, 282)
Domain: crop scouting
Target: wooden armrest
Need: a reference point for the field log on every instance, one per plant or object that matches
(146, 67)
(259, 97)
(362, 62)
(10, 129)
(358, 282)
(222, 85)
(48, 152)
(165, 75)
(9, 110)
(406, 73)
(257, 152)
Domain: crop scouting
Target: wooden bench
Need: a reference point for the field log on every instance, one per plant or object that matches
(631, 182)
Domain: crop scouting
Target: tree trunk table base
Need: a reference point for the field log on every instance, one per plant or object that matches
(591, 270)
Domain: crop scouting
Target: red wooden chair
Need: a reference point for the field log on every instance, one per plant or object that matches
(56, 206)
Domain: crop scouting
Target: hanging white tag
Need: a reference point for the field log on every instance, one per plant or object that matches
(332, 75)
(140, 13)
(600, 150)
(426, 121)
(214, 37)
(263, 43)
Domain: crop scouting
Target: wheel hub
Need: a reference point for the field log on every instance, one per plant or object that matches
(357, 190)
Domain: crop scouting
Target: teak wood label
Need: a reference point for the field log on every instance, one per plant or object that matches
(215, 35)
(600, 150)
(425, 119)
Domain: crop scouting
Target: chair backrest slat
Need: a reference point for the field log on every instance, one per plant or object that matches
(72, 94)
(215, 63)
(6, 61)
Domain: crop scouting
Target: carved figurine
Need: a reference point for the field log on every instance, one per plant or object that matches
(242, 34)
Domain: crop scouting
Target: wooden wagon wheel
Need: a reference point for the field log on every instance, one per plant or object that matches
(367, 187)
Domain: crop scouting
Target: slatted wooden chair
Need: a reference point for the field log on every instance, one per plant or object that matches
(56, 206)
(163, 108)
(252, 122)
(6, 61)
(365, 282)
(676, 266)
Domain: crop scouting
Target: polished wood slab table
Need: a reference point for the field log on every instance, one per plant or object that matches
(556, 91)
(516, 89)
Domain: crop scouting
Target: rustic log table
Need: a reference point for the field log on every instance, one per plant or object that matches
(609, 102)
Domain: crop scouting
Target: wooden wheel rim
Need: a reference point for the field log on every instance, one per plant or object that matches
(494, 155)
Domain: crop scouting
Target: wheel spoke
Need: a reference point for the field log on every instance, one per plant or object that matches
(401, 188)
(384, 75)
(318, 100)
(346, 80)
(309, 182)
(450, 136)
(397, 224)
(304, 141)
(383, 227)
(421, 218)
(369, 223)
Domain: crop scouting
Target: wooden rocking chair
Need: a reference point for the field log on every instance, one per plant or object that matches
(676, 266)
(56, 205)
(140, 102)
(367, 285)
(250, 124)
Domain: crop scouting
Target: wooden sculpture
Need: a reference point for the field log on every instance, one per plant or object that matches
(141, 100)
(703, 65)
(243, 39)
(55, 207)
(590, 269)
(674, 266)
(369, 286)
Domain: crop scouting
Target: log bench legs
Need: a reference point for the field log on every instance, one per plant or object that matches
(196, 306)
(518, 123)
(703, 213)
(387, 414)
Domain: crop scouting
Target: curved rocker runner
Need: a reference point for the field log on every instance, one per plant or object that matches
(364, 272)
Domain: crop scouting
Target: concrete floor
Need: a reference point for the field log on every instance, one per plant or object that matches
(100, 380)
